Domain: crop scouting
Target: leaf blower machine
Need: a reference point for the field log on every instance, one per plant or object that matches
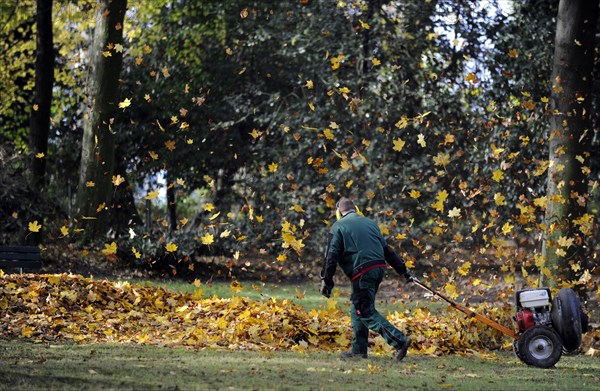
(547, 326)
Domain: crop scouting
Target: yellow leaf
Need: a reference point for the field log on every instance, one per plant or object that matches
(171, 247)
(498, 175)
(364, 25)
(297, 208)
(328, 135)
(101, 207)
(398, 144)
(255, 133)
(90, 184)
(236, 286)
(376, 61)
(209, 207)
(136, 253)
(40, 155)
(281, 257)
(110, 249)
(442, 159)
(34, 226)
(309, 84)
(451, 291)
(125, 103)
(214, 216)
(454, 212)
(507, 228)
(273, 167)
(152, 194)
(499, 199)
(415, 194)
(464, 268)
(421, 140)
(64, 231)
(153, 155)
(207, 239)
(117, 180)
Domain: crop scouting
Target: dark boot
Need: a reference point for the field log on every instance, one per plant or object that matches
(351, 354)
(401, 353)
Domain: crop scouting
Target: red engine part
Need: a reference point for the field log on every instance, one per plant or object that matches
(525, 320)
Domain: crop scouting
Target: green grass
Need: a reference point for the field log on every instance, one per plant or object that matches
(27, 366)
(305, 294)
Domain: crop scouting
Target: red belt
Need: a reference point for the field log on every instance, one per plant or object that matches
(365, 267)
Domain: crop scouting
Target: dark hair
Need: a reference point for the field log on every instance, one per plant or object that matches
(345, 205)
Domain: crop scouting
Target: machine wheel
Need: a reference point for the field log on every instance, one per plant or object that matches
(540, 347)
(566, 318)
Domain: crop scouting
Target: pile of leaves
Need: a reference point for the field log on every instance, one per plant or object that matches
(65, 307)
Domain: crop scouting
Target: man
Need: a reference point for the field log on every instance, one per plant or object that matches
(357, 246)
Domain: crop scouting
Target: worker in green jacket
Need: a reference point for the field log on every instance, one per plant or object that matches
(358, 247)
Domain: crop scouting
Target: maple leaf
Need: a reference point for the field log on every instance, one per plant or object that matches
(125, 103)
(110, 249)
(398, 144)
(152, 194)
(34, 226)
(376, 61)
(117, 180)
(255, 133)
(454, 212)
(498, 175)
(90, 184)
(421, 140)
(64, 231)
(136, 253)
(170, 145)
(309, 84)
(273, 167)
(499, 199)
(171, 247)
(40, 155)
(507, 228)
(415, 194)
(207, 239)
(442, 159)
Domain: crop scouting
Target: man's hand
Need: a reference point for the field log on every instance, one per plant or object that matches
(409, 277)
(326, 289)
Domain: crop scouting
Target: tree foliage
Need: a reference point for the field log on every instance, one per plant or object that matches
(433, 115)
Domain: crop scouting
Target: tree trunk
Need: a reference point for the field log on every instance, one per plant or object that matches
(98, 145)
(171, 204)
(39, 125)
(570, 137)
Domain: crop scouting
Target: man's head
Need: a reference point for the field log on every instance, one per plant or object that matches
(345, 205)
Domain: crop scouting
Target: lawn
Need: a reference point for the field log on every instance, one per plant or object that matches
(28, 366)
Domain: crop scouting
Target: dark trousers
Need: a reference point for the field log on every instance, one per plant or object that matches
(365, 317)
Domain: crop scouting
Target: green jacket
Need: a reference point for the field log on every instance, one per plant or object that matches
(355, 240)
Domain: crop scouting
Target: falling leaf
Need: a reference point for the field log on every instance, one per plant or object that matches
(442, 159)
(136, 253)
(309, 84)
(152, 194)
(40, 155)
(375, 61)
(255, 133)
(507, 228)
(34, 226)
(499, 199)
(171, 247)
(364, 25)
(421, 140)
(273, 167)
(398, 144)
(90, 184)
(64, 231)
(498, 175)
(415, 194)
(454, 212)
(125, 103)
(117, 180)
(207, 239)
(110, 249)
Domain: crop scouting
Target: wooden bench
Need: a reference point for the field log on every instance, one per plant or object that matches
(20, 257)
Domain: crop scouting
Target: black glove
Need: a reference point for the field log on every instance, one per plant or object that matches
(409, 277)
(326, 288)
